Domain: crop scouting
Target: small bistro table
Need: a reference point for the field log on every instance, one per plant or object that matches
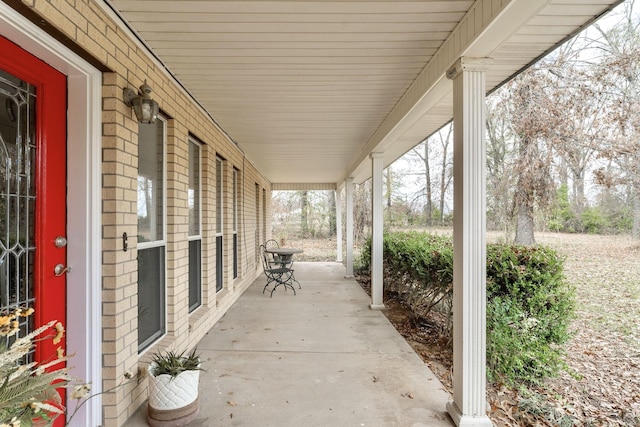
(285, 254)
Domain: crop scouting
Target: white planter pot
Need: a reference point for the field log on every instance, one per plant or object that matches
(168, 393)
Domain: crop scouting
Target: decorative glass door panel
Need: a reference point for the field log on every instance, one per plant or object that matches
(17, 194)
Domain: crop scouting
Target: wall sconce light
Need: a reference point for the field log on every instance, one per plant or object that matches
(146, 109)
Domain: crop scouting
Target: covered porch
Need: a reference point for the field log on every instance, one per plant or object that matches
(273, 95)
(318, 358)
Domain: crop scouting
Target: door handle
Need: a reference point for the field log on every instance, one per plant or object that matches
(60, 269)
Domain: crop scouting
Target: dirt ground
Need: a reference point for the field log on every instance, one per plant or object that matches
(601, 385)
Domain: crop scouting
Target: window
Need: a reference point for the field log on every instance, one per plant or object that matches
(264, 215)
(219, 224)
(236, 192)
(194, 196)
(257, 235)
(151, 232)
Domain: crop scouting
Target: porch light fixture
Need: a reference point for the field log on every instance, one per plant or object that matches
(146, 109)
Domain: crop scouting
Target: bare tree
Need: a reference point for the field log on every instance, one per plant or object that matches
(531, 115)
(332, 213)
(500, 179)
(304, 213)
(421, 151)
(433, 171)
(581, 122)
(388, 185)
(361, 211)
(554, 112)
(445, 138)
(619, 73)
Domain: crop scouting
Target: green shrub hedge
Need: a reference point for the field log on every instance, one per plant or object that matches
(529, 304)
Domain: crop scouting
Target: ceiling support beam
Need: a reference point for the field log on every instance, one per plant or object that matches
(469, 404)
(309, 186)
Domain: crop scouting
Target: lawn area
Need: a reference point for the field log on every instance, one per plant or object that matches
(606, 273)
(601, 386)
(602, 383)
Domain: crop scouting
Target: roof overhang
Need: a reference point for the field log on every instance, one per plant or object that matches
(308, 89)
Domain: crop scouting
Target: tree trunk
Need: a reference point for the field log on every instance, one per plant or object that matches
(361, 211)
(427, 175)
(525, 192)
(389, 185)
(635, 232)
(444, 181)
(443, 188)
(563, 174)
(304, 213)
(524, 225)
(332, 214)
(578, 191)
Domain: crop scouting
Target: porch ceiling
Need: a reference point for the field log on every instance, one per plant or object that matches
(308, 88)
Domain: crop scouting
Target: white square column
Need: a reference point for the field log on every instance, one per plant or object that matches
(469, 404)
(376, 231)
(338, 195)
(348, 186)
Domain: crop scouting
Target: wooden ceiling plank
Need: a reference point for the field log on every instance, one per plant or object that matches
(215, 18)
(293, 27)
(293, 7)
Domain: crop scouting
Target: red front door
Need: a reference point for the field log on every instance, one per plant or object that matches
(32, 190)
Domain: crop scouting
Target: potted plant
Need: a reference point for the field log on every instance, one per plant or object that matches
(173, 388)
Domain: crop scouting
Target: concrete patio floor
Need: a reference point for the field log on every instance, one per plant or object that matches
(318, 358)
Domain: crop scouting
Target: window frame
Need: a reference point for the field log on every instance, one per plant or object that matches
(234, 220)
(257, 229)
(193, 305)
(161, 243)
(219, 228)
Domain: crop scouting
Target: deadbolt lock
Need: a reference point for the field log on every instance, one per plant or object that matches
(60, 242)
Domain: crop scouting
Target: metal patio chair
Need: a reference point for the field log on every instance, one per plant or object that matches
(279, 275)
(273, 244)
(278, 260)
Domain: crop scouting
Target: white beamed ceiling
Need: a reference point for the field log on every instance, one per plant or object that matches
(308, 88)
